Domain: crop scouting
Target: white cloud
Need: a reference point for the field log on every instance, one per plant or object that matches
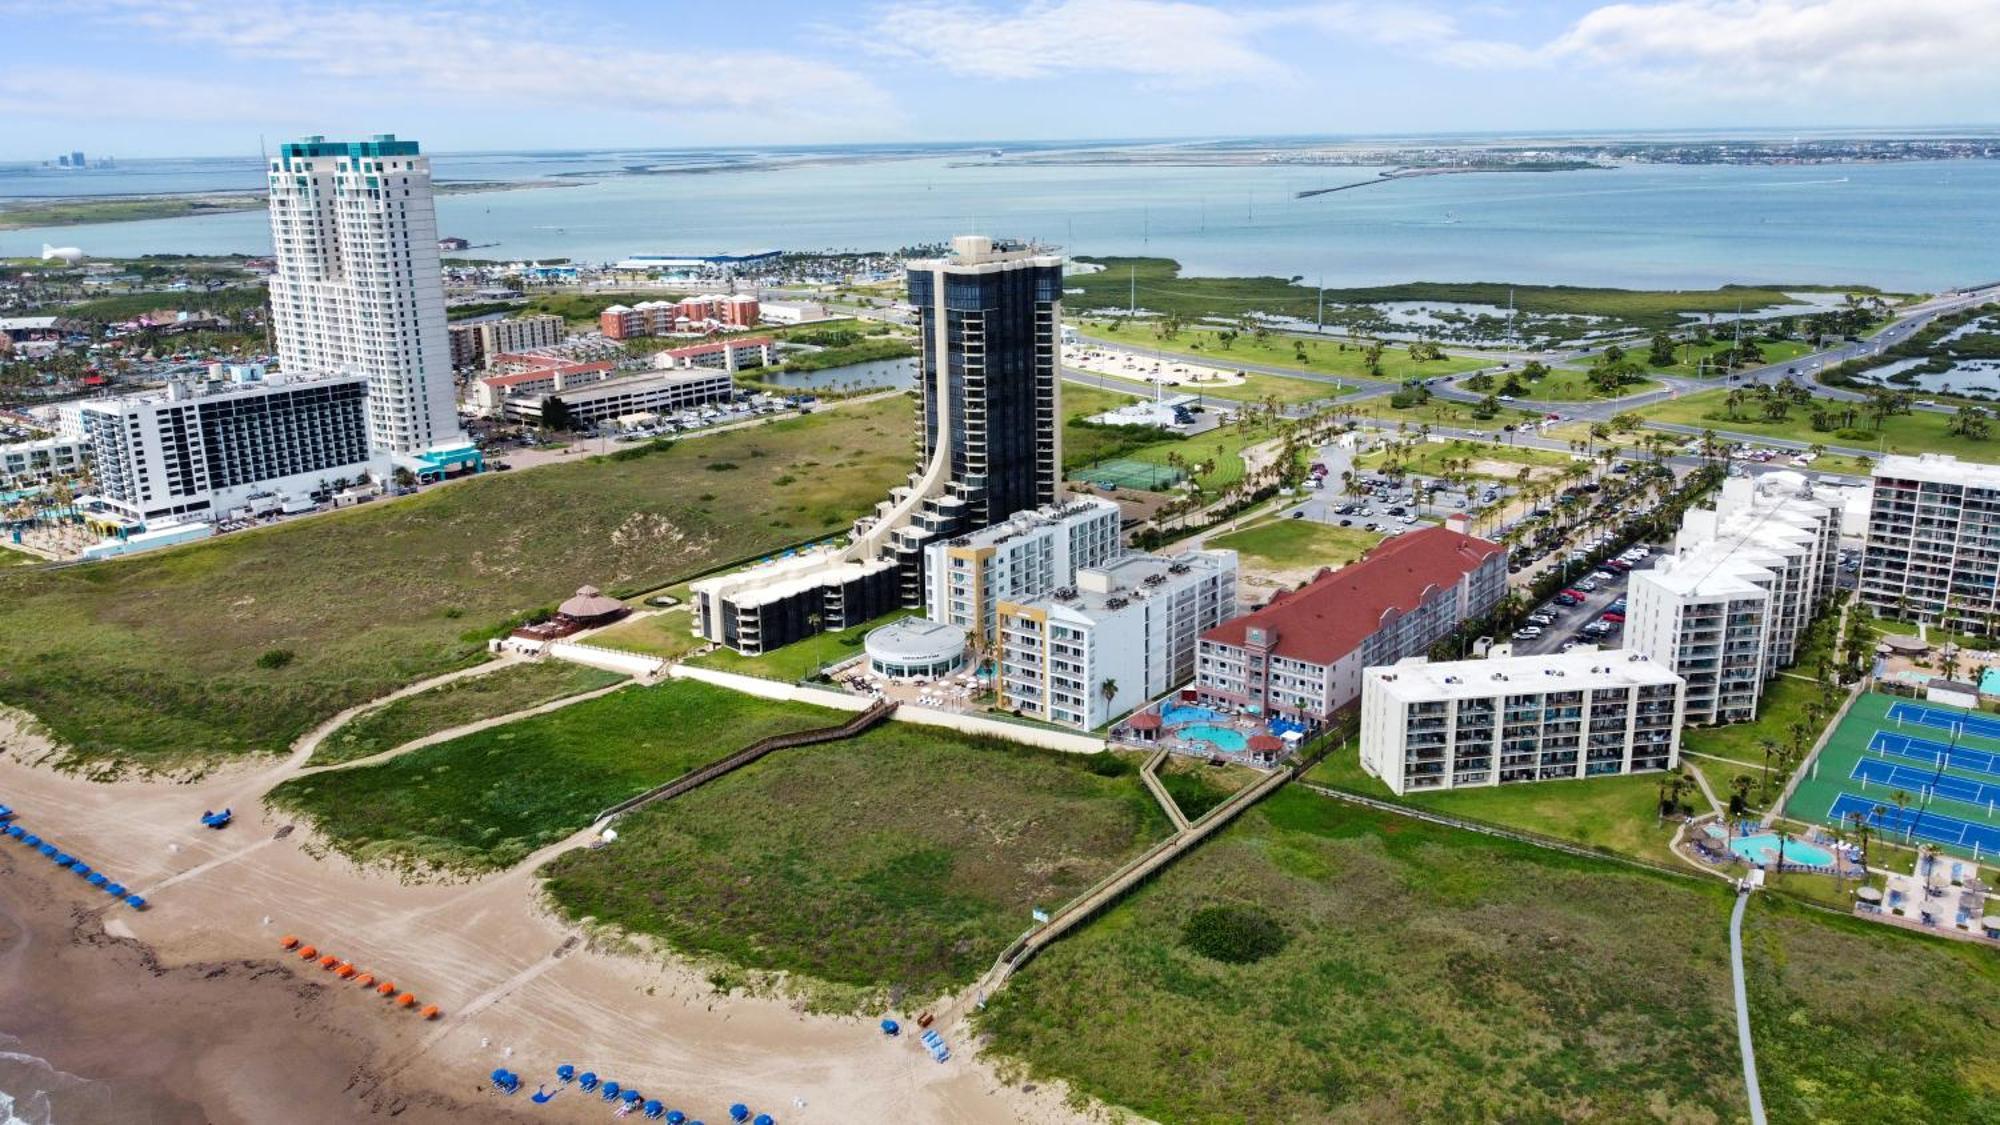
(1179, 43)
(1795, 47)
(504, 55)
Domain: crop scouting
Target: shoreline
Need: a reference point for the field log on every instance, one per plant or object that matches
(193, 998)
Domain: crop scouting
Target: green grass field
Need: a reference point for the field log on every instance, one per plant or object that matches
(852, 863)
(11, 557)
(1083, 444)
(1564, 385)
(1410, 972)
(486, 800)
(461, 701)
(800, 659)
(668, 636)
(372, 598)
(1296, 544)
(1427, 458)
(1919, 432)
(1613, 814)
(1689, 355)
(1342, 358)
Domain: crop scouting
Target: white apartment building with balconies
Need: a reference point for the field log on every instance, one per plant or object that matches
(1023, 556)
(1933, 547)
(1729, 609)
(1124, 634)
(357, 289)
(1469, 723)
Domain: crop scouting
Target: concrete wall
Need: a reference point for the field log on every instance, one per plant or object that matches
(1067, 741)
(611, 660)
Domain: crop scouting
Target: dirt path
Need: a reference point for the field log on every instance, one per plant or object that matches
(449, 733)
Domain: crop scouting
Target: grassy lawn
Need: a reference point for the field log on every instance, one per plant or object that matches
(1782, 704)
(1426, 458)
(668, 636)
(850, 863)
(1919, 432)
(1085, 444)
(1688, 356)
(1614, 814)
(800, 659)
(1197, 787)
(11, 557)
(1417, 973)
(459, 702)
(486, 800)
(1297, 544)
(1562, 384)
(371, 598)
(1320, 356)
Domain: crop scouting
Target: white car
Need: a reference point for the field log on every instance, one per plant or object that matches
(1527, 632)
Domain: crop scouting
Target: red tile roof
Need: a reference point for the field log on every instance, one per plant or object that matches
(1329, 617)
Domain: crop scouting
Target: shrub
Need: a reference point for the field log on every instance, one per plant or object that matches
(275, 658)
(1235, 935)
(719, 466)
(1852, 434)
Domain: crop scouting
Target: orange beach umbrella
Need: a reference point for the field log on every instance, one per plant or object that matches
(406, 1000)
(289, 942)
(430, 1012)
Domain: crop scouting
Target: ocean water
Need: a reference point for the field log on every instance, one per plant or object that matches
(27, 1083)
(1909, 225)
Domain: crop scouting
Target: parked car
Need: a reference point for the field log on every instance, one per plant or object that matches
(1527, 632)
(1605, 576)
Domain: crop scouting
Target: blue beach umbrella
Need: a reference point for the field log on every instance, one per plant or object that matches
(135, 902)
(64, 859)
(587, 1080)
(611, 1091)
(763, 1119)
(32, 840)
(565, 1072)
(739, 1112)
(115, 890)
(676, 1117)
(631, 1097)
(97, 879)
(653, 1108)
(47, 850)
(891, 1027)
(81, 868)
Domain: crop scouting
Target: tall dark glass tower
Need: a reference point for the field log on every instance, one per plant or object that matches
(989, 318)
(990, 315)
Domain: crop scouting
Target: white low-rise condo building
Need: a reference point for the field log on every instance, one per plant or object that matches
(1584, 713)
(1126, 632)
(1933, 550)
(1023, 556)
(1730, 607)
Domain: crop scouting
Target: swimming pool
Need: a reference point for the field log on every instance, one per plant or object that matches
(1762, 849)
(1173, 714)
(1222, 738)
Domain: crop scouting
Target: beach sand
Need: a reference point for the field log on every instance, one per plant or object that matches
(192, 1003)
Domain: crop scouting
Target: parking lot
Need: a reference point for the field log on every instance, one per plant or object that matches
(1602, 591)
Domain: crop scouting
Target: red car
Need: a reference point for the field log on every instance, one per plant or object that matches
(1614, 618)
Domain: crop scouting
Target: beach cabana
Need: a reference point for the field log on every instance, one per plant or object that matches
(288, 942)
(328, 962)
(386, 988)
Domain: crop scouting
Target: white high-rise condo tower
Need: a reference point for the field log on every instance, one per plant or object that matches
(357, 289)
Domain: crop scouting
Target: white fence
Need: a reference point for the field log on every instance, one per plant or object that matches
(609, 659)
(1073, 742)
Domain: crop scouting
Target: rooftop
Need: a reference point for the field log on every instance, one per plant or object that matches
(1330, 616)
(1130, 578)
(1417, 680)
(1020, 523)
(916, 639)
(1938, 468)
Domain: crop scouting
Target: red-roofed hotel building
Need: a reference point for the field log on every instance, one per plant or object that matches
(1300, 657)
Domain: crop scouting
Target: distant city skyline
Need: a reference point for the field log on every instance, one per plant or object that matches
(180, 78)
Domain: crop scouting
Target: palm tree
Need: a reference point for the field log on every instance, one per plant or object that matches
(1109, 690)
(1739, 793)
(1861, 834)
(1902, 802)
(1769, 746)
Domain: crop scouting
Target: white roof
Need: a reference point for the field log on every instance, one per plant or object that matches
(1416, 680)
(1939, 468)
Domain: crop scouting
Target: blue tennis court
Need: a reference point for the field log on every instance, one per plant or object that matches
(1917, 824)
(1951, 787)
(1934, 753)
(1946, 718)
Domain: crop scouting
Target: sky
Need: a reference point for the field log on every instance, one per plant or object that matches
(199, 77)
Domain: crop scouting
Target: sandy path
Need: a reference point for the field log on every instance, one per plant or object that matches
(496, 962)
